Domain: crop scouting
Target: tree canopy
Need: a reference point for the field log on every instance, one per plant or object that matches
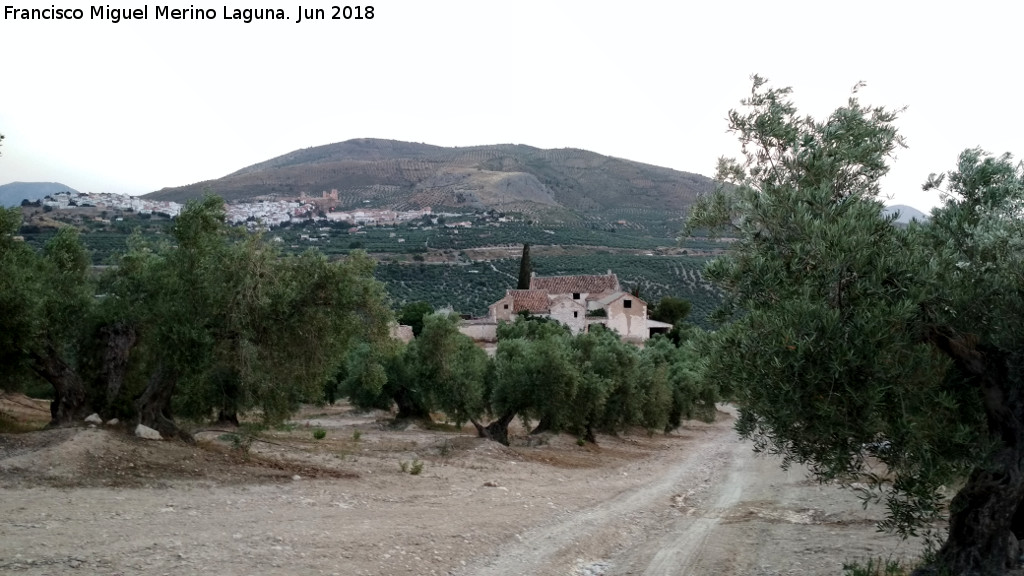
(211, 321)
(853, 341)
(412, 315)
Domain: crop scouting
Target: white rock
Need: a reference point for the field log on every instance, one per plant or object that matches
(147, 433)
(113, 422)
(296, 477)
(94, 419)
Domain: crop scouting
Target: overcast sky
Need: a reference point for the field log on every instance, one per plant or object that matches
(139, 105)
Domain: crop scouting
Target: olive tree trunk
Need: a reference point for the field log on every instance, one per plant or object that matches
(409, 408)
(119, 339)
(497, 430)
(69, 391)
(986, 520)
(154, 405)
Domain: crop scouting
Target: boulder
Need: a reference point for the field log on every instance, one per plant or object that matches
(147, 433)
(94, 419)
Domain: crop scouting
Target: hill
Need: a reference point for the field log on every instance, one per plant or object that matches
(549, 185)
(906, 213)
(12, 194)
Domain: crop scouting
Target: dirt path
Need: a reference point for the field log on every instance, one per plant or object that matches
(717, 509)
(91, 501)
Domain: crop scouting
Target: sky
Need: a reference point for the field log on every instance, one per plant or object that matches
(139, 105)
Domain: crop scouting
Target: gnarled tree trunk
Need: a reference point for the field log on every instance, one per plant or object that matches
(985, 525)
(119, 339)
(409, 408)
(497, 430)
(543, 426)
(69, 390)
(154, 405)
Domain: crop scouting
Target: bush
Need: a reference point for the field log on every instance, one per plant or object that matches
(875, 567)
(319, 433)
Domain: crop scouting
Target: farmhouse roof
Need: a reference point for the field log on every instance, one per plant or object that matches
(533, 301)
(609, 298)
(589, 284)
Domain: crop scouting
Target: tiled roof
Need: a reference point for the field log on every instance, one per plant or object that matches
(534, 301)
(609, 298)
(570, 284)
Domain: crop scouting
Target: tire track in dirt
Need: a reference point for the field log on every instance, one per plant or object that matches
(678, 551)
(554, 548)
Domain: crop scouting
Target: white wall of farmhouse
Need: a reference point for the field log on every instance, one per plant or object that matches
(572, 313)
(480, 331)
(627, 315)
(502, 309)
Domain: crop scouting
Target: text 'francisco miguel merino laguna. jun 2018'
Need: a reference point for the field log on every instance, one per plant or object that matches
(114, 15)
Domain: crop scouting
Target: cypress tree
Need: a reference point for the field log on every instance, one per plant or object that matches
(525, 268)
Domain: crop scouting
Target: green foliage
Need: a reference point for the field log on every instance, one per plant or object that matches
(819, 285)
(371, 373)
(852, 339)
(412, 315)
(449, 369)
(534, 376)
(441, 370)
(230, 324)
(319, 434)
(46, 303)
(670, 310)
(414, 467)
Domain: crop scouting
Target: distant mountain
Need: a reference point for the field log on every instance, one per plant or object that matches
(561, 184)
(12, 194)
(906, 213)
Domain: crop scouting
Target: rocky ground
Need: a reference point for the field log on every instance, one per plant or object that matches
(99, 501)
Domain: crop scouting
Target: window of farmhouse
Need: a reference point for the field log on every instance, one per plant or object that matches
(627, 303)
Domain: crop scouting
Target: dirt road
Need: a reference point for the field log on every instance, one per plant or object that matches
(717, 509)
(696, 502)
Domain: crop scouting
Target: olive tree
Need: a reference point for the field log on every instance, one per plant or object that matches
(448, 368)
(46, 300)
(855, 341)
(226, 323)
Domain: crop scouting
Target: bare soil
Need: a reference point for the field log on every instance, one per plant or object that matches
(98, 501)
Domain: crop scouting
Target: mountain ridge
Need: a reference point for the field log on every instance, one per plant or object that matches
(564, 183)
(905, 213)
(13, 193)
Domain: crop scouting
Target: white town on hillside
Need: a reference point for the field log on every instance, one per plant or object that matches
(265, 213)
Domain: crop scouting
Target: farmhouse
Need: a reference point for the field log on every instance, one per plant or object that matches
(579, 302)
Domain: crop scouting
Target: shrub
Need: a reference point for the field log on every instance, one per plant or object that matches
(875, 567)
